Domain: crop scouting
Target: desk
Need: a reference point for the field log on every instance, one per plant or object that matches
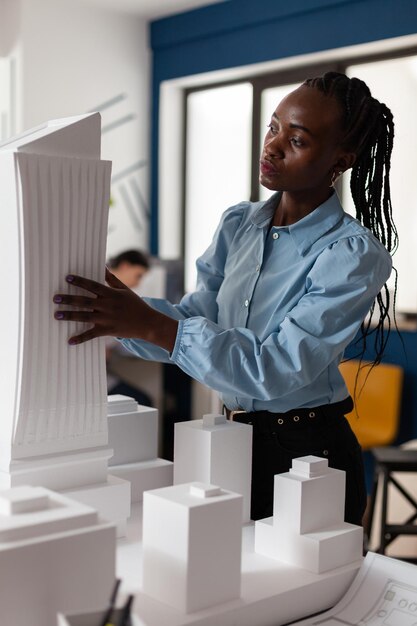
(390, 461)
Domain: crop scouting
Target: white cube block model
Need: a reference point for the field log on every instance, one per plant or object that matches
(133, 430)
(310, 496)
(54, 194)
(133, 436)
(308, 528)
(55, 554)
(192, 542)
(215, 451)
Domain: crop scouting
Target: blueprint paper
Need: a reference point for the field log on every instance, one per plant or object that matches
(383, 593)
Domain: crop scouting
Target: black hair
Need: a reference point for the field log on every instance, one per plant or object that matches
(368, 128)
(133, 257)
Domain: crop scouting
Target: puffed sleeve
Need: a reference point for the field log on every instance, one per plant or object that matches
(202, 302)
(340, 289)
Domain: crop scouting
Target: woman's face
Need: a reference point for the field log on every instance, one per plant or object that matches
(302, 147)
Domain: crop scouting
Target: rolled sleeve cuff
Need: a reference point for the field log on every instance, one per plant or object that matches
(178, 342)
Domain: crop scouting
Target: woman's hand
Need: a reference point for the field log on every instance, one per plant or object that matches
(116, 311)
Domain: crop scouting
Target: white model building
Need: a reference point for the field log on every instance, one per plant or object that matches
(54, 194)
(308, 528)
(55, 554)
(133, 437)
(215, 451)
(192, 545)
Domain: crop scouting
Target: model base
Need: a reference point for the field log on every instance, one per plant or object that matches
(272, 593)
(59, 472)
(82, 476)
(318, 551)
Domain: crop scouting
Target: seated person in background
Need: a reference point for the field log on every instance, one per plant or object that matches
(129, 267)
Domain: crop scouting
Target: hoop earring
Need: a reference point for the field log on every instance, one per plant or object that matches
(335, 176)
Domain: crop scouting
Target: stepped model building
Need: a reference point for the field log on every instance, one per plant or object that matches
(215, 451)
(133, 437)
(54, 194)
(308, 528)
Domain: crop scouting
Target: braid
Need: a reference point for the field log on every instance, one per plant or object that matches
(369, 133)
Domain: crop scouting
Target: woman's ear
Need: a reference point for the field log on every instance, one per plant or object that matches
(345, 161)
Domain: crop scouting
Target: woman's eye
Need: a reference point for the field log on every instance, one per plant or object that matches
(297, 141)
(272, 129)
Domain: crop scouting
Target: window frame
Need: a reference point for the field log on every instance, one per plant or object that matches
(264, 81)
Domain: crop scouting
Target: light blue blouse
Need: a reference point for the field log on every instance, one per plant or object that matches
(275, 308)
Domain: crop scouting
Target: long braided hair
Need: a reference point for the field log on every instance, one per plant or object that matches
(368, 132)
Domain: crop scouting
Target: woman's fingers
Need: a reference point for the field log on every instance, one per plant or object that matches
(86, 336)
(77, 316)
(87, 284)
(81, 301)
(113, 281)
(112, 310)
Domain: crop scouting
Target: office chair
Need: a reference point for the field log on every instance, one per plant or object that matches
(377, 395)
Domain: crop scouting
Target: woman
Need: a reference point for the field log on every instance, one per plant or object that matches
(283, 288)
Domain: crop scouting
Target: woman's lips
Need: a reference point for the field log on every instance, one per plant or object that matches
(266, 167)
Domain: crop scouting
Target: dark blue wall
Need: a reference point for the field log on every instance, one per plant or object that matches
(241, 32)
(401, 350)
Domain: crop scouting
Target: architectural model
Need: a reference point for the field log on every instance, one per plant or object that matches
(308, 528)
(54, 193)
(133, 437)
(192, 544)
(55, 554)
(215, 451)
(189, 559)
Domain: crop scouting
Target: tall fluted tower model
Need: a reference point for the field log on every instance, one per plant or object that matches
(54, 199)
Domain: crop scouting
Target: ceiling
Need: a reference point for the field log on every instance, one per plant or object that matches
(151, 9)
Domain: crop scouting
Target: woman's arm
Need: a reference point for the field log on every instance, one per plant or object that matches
(117, 311)
(341, 288)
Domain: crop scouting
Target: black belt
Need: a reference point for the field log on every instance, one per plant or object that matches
(294, 417)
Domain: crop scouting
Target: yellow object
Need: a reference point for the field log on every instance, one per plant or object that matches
(377, 396)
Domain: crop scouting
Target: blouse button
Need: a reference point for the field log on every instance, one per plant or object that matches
(275, 236)
(246, 302)
(258, 267)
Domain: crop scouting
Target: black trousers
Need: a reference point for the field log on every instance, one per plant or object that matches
(320, 431)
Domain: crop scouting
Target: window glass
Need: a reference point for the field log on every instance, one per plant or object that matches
(395, 83)
(218, 163)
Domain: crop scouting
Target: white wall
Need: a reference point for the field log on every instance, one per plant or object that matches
(73, 57)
